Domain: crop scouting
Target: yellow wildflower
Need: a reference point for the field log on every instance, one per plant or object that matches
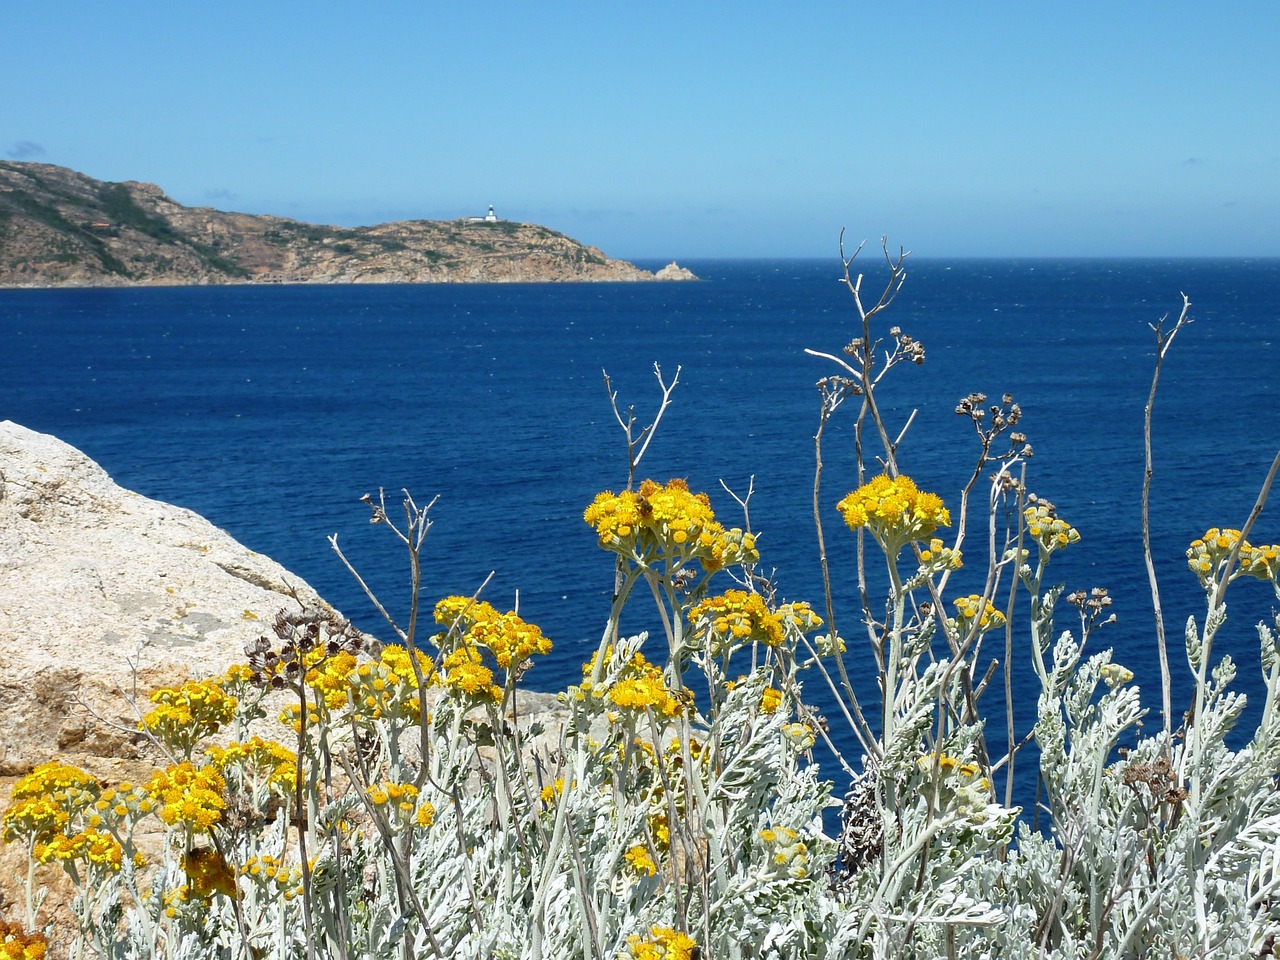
(663, 943)
(398, 800)
(660, 522)
(425, 815)
(45, 800)
(770, 700)
(95, 847)
(1049, 532)
(552, 790)
(330, 676)
(274, 875)
(642, 686)
(465, 673)
(660, 831)
(208, 873)
(185, 715)
(895, 511)
(938, 557)
(1208, 555)
(788, 855)
(734, 618)
(259, 762)
(190, 795)
(510, 639)
(388, 686)
(1261, 562)
(34, 819)
(972, 610)
(463, 612)
(640, 861)
(17, 944)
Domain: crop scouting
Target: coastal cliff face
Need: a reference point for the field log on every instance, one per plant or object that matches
(62, 228)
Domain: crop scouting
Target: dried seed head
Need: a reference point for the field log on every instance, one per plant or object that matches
(861, 833)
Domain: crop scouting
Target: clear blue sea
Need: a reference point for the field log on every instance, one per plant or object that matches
(271, 410)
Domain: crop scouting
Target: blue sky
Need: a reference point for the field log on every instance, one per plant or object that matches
(681, 130)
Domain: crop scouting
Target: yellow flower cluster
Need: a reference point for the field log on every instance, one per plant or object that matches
(207, 873)
(504, 637)
(259, 763)
(801, 736)
(189, 795)
(185, 715)
(552, 790)
(512, 641)
(642, 687)
(948, 765)
(1115, 675)
(939, 557)
(895, 511)
(770, 700)
(33, 819)
(426, 815)
(507, 636)
(17, 944)
(61, 781)
(388, 687)
(640, 861)
(788, 854)
(1208, 554)
(734, 618)
(667, 522)
(800, 615)
(330, 676)
(962, 783)
(238, 675)
(399, 798)
(974, 609)
(291, 716)
(458, 612)
(1049, 532)
(116, 807)
(45, 800)
(663, 943)
(275, 875)
(464, 672)
(1262, 562)
(660, 830)
(97, 848)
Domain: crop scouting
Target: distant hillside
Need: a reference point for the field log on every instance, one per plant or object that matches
(62, 228)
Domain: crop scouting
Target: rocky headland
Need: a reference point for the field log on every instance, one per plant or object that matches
(60, 228)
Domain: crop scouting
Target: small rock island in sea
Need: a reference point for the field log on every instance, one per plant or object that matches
(60, 228)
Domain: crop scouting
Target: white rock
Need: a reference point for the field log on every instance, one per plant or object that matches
(101, 588)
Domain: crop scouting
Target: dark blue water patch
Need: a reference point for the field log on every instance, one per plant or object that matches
(271, 410)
